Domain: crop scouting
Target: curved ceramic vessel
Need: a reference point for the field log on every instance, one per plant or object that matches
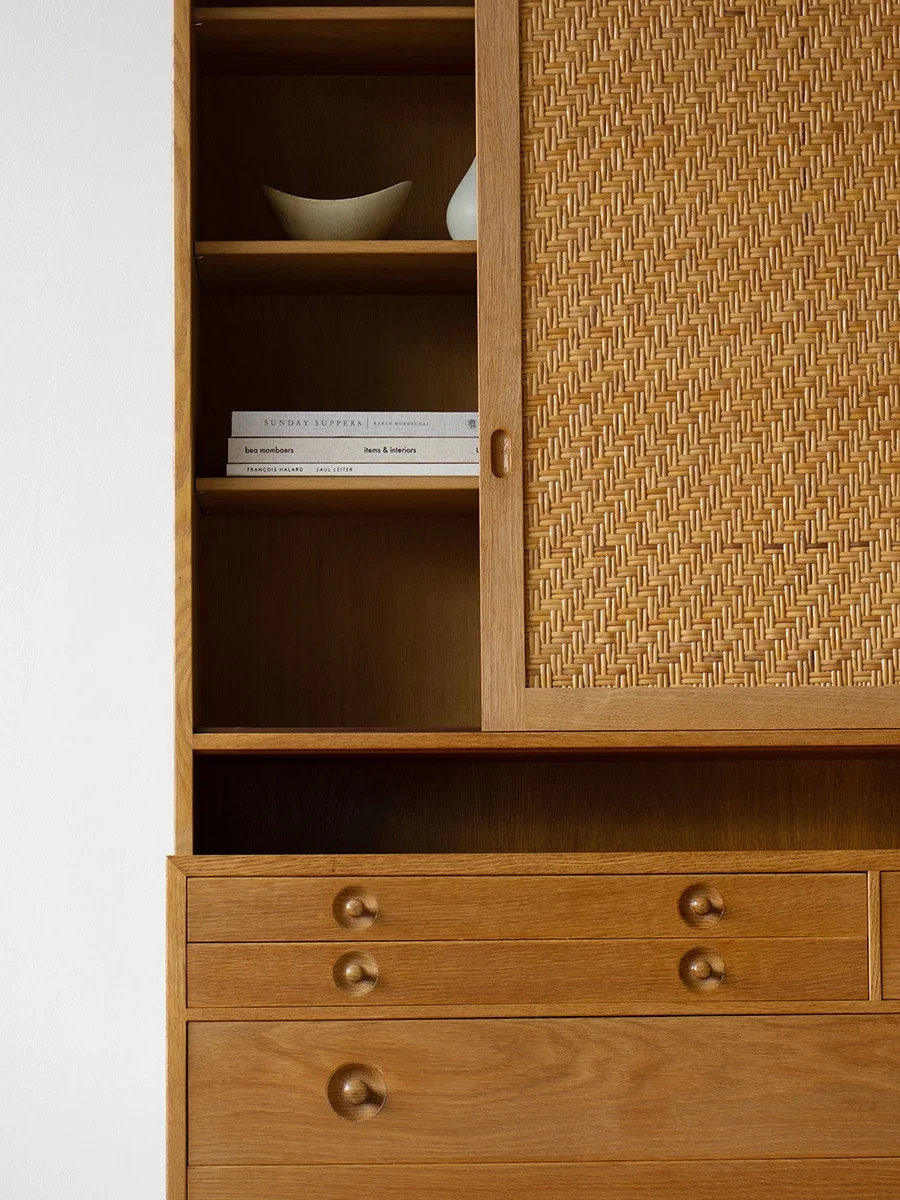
(462, 211)
(357, 218)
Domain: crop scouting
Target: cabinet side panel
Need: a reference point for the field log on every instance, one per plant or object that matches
(176, 1039)
(185, 300)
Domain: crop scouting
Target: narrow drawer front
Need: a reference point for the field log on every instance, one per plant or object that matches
(667, 971)
(799, 1179)
(890, 934)
(295, 1093)
(435, 908)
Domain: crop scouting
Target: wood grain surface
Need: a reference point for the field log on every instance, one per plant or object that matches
(339, 621)
(477, 1012)
(382, 351)
(295, 133)
(798, 1179)
(185, 330)
(533, 972)
(782, 743)
(890, 934)
(284, 267)
(346, 866)
(539, 1090)
(424, 495)
(366, 805)
(367, 39)
(481, 907)
(176, 1035)
(500, 362)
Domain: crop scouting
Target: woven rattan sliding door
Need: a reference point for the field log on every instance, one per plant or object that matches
(689, 252)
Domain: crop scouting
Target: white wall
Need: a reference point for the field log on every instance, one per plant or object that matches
(85, 595)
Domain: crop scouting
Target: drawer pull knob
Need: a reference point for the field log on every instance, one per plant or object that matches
(702, 970)
(355, 908)
(357, 1092)
(701, 905)
(355, 973)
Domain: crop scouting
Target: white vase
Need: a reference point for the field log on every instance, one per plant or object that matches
(462, 211)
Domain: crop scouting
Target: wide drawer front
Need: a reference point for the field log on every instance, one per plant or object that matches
(574, 1090)
(799, 1179)
(435, 908)
(890, 933)
(663, 971)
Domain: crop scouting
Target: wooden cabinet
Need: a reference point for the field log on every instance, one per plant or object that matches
(322, 1030)
(542, 825)
(688, 388)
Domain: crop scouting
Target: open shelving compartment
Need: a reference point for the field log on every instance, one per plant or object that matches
(332, 603)
(368, 803)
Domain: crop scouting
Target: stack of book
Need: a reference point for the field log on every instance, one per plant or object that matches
(353, 443)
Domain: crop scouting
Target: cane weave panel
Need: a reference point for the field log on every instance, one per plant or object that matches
(711, 256)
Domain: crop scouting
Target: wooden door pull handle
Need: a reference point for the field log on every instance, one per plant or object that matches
(501, 453)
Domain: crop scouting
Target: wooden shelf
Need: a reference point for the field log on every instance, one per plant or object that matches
(285, 267)
(437, 494)
(328, 41)
(437, 742)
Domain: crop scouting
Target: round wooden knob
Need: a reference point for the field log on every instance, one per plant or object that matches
(702, 969)
(701, 905)
(355, 1091)
(355, 973)
(355, 908)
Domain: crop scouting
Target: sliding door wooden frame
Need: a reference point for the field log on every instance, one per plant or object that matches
(500, 364)
(507, 703)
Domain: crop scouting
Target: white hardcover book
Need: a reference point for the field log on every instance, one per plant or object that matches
(386, 449)
(383, 469)
(354, 424)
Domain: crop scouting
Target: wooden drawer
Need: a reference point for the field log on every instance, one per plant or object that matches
(575, 1090)
(819, 1179)
(890, 934)
(437, 908)
(663, 971)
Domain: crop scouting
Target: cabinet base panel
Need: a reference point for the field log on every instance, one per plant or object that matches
(796, 1179)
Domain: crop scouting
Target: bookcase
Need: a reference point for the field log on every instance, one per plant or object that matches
(472, 779)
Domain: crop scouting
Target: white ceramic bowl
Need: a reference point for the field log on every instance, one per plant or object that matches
(358, 218)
